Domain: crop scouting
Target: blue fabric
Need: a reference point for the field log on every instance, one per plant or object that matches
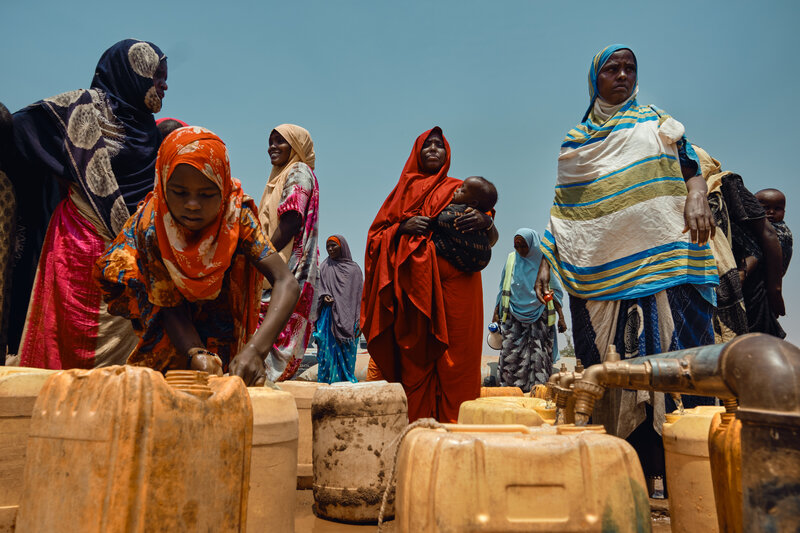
(336, 360)
(639, 329)
(594, 69)
(523, 303)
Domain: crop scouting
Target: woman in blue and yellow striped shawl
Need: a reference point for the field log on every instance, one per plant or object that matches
(628, 234)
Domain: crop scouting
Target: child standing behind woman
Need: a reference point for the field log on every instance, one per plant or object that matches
(187, 268)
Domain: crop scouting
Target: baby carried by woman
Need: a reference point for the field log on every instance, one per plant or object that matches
(468, 251)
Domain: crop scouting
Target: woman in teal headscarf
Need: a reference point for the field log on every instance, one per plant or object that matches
(528, 326)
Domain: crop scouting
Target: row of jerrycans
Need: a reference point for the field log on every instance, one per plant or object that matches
(124, 449)
(133, 440)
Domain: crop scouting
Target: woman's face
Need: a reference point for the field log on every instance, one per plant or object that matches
(334, 250)
(617, 77)
(193, 199)
(160, 79)
(433, 153)
(279, 149)
(521, 245)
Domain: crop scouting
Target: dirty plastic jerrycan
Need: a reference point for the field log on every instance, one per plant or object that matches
(485, 478)
(355, 438)
(273, 463)
(303, 392)
(123, 449)
(19, 387)
(691, 491)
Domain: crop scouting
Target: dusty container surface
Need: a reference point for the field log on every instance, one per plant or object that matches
(692, 506)
(19, 387)
(725, 454)
(355, 432)
(482, 480)
(273, 461)
(500, 391)
(121, 449)
(502, 410)
(303, 392)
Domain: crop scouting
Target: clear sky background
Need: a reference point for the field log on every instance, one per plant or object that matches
(505, 80)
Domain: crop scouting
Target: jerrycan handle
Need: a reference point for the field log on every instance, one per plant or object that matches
(191, 382)
(488, 428)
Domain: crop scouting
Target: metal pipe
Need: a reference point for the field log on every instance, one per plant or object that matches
(763, 373)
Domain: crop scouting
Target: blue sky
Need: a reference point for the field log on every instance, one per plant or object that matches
(505, 80)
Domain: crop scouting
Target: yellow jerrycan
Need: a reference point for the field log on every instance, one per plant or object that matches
(273, 461)
(725, 449)
(511, 478)
(123, 449)
(303, 393)
(691, 491)
(500, 391)
(506, 410)
(19, 387)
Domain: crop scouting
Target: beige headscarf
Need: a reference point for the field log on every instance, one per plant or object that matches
(711, 169)
(302, 152)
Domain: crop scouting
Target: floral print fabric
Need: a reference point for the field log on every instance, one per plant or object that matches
(300, 193)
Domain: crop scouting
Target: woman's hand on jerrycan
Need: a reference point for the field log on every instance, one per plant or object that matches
(249, 366)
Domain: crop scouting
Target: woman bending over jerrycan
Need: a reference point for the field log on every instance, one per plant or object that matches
(187, 268)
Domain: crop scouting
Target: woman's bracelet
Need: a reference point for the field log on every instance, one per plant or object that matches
(491, 225)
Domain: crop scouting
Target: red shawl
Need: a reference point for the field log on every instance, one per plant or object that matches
(402, 301)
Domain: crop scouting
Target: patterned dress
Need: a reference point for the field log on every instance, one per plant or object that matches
(155, 262)
(217, 321)
(300, 194)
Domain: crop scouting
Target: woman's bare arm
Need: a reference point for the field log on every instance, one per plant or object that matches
(183, 335)
(289, 225)
(249, 363)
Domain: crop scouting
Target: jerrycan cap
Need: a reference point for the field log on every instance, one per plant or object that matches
(191, 382)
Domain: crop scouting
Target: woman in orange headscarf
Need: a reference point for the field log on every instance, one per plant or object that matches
(187, 268)
(422, 317)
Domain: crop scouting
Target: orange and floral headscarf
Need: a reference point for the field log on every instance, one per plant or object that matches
(196, 260)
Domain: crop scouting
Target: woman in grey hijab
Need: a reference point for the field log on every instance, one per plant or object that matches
(337, 329)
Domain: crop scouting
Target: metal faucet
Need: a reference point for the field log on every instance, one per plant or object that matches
(761, 372)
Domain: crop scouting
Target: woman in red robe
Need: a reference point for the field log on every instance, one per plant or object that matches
(421, 316)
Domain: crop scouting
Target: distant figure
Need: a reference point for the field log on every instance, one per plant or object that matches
(88, 158)
(527, 325)
(289, 214)
(187, 268)
(774, 203)
(423, 317)
(337, 328)
(168, 125)
(469, 252)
